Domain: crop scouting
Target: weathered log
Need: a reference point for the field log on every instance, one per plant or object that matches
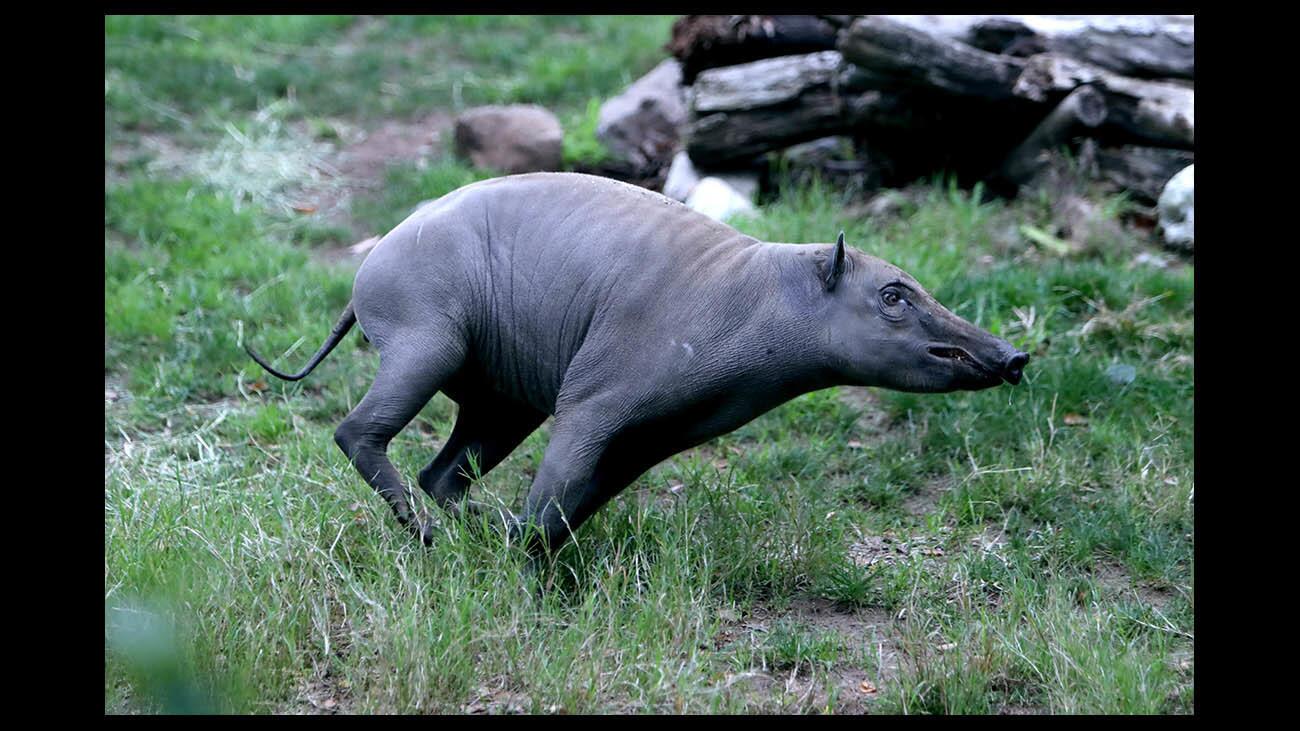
(1140, 46)
(1005, 36)
(710, 41)
(907, 56)
(1161, 113)
(762, 83)
(1084, 108)
(1143, 171)
(749, 109)
(839, 21)
(722, 138)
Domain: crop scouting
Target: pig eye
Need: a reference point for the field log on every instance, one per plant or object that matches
(890, 298)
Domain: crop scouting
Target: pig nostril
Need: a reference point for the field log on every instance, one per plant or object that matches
(1014, 366)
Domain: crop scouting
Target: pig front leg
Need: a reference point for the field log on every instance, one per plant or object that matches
(567, 489)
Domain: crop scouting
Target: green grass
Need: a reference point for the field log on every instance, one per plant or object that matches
(249, 569)
(166, 72)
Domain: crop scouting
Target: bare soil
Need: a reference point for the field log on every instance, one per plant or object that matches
(855, 687)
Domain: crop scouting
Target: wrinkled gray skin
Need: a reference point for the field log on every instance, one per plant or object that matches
(643, 327)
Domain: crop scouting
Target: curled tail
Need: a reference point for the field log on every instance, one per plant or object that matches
(341, 328)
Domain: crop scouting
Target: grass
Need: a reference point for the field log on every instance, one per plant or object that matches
(1039, 552)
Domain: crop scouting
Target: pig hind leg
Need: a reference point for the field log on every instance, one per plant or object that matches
(408, 377)
(486, 432)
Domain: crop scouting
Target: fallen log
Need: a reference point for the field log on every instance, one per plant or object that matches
(763, 83)
(906, 56)
(723, 138)
(746, 110)
(703, 42)
(1151, 111)
(1143, 171)
(1083, 109)
(1140, 46)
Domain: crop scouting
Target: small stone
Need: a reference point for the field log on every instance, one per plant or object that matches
(885, 204)
(519, 138)
(1121, 373)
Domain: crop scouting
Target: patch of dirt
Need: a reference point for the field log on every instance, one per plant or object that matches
(872, 421)
(887, 549)
(497, 699)
(131, 151)
(115, 390)
(1022, 711)
(362, 164)
(856, 688)
(925, 499)
(358, 165)
(992, 540)
(394, 141)
(322, 695)
(1115, 579)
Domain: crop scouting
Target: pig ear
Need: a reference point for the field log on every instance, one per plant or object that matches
(836, 265)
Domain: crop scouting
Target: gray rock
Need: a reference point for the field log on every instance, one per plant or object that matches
(520, 138)
(887, 203)
(715, 198)
(642, 125)
(1177, 210)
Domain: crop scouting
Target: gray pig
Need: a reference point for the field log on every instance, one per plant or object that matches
(644, 327)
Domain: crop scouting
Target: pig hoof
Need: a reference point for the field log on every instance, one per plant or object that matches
(421, 527)
(514, 525)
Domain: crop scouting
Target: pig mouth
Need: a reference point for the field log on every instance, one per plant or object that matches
(963, 358)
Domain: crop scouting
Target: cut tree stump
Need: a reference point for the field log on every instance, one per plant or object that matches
(1083, 109)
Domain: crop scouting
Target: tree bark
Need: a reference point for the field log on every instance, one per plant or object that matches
(728, 137)
(763, 83)
(1140, 46)
(906, 56)
(1084, 108)
(703, 42)
(746, 110)
(1143, 171)
(1151, 111)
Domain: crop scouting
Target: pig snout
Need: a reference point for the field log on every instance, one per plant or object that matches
(1013, 368)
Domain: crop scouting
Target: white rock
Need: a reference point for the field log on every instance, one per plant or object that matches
(715, 198)
(516, 138)
(744, 183)
(1177, 209)
(682, 177)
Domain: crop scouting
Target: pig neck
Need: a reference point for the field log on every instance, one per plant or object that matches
(781, 345)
